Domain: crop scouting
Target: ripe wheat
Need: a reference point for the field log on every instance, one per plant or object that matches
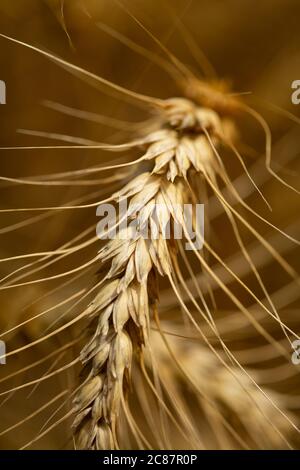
(179, 160)
(122, 308)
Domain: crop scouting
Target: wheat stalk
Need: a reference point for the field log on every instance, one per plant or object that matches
(121, 310)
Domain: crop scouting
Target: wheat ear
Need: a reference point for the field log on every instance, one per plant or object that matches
(120, 313)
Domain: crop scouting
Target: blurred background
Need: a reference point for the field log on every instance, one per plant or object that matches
(253, 45)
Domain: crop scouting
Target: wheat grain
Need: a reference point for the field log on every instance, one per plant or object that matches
(121, 310)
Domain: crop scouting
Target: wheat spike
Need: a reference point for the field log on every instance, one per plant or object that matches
(121, 310)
